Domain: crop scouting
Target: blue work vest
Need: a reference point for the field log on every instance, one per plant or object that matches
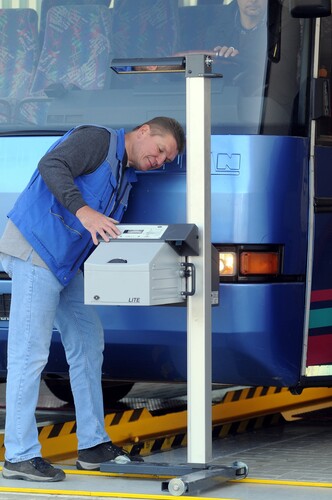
(56, 234)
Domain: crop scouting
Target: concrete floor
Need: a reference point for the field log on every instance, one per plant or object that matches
(293, 460)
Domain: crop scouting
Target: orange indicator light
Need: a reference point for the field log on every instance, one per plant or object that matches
(259, 263)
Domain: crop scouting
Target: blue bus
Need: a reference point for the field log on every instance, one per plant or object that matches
(271, 157)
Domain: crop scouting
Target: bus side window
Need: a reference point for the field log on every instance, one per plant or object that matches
(324, 126)
(281, 101)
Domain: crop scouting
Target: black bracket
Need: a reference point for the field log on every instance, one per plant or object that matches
(189, 271)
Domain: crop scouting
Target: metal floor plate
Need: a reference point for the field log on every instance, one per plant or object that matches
(294, 458)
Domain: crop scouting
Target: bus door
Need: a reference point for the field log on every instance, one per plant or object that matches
(317, 362)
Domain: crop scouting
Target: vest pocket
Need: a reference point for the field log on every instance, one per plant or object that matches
(61, 236)
(98, 197)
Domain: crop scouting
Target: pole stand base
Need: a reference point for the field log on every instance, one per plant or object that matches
(189, 477)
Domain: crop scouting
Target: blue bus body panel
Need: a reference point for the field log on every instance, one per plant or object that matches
(150, 343)
(263, 198)
(259, 196)
(247, 348)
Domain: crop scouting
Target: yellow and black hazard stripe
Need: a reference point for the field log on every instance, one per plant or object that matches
(120, 417)
(167, 443)
(252, 393)
(138, 431)
(252, 424)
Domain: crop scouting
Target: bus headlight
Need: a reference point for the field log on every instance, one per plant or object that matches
(227, 264)
(250, 263)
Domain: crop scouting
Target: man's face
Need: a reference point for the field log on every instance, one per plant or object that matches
(150, 152)
(253, 8)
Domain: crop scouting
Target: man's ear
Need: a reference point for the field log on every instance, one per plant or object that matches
(143, 130)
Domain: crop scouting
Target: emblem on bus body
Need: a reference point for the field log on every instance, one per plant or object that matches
(228, 164)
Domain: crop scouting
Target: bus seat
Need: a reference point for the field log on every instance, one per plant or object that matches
(48, 4)
(18, 56)
(75, 55)
(144, 28)
(148, 28)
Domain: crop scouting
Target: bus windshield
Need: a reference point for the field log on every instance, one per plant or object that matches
(55, 62)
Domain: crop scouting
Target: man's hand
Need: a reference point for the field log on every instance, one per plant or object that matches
(224, 51)
(97, 223)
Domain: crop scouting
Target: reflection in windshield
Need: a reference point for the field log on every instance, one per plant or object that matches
(55, 65)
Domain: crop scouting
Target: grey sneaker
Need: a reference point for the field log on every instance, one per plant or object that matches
(35, 469)
(91, 458)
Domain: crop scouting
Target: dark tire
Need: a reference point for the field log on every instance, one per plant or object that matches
(112, 391)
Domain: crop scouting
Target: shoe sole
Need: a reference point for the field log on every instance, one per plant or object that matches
(11, 474)
(87, 466)
(80, 465)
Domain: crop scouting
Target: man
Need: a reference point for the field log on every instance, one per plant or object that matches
(243, 33)
(78, 193)
(247, 18)
(255, 36)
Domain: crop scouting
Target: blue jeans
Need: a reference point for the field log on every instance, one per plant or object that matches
(40, 302)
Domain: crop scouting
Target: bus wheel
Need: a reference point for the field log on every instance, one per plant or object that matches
(112, 391)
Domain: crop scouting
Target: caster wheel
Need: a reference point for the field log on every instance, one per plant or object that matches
(177, 487)
(242, 470)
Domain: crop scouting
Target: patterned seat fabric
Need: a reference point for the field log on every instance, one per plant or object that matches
(75, 54)
(145, 28)
(18, 56)
(46, 5)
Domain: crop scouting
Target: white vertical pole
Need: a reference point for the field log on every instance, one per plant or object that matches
(198, 118)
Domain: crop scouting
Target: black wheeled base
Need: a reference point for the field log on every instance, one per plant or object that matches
(188, 477)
